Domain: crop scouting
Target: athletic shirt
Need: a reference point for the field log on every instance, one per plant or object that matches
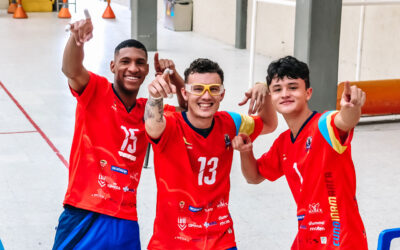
(192, 175)
(107, 152)
(320, 173)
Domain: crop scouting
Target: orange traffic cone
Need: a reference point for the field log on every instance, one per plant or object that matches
(64, 12)
(108, 13)
(12, 7)
(19, 12)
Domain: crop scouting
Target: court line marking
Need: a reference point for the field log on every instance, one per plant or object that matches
(38, 129)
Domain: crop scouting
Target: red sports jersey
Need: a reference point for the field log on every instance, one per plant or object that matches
(107, 153)
(320, 173)
(192, 174)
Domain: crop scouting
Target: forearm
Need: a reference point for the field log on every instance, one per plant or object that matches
(154, 117)
(249, 168)
(72, 64)
(268, 116)
(347, 118)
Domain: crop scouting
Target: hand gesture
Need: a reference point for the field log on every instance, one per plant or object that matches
(161, 87)
(352, 96)
(161, 64)
(242, 143)
(82, 30)
(256, 95)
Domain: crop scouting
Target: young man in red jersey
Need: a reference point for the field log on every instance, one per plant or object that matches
(315, 157)
(193, 158)
(108, 147)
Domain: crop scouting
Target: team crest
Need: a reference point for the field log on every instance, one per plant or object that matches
(103, 163)
(308, 143)
(228, 141)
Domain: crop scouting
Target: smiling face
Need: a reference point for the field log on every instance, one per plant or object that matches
(130, 68)
(289, 96)
(201, 108)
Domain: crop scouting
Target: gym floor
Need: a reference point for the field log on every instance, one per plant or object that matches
(37, 114)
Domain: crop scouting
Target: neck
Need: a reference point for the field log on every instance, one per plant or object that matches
(128, 99)
(199, 122)
(295, 121)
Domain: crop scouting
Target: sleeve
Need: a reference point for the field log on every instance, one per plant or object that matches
(170, 127)
(330, 132)
(249, 125)
(269, 165)
(90, 89)
(169, 109)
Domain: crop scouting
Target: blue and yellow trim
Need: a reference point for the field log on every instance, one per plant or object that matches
(244, 124)
(327, 131)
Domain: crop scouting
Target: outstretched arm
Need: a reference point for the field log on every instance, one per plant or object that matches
(154, 119)
(353, 98)
(250, 171)
(260, 102)
(72, 64)
(160, 65)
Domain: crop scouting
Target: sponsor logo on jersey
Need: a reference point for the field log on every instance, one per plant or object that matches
(324, 240)
(101, 180)
(222, 204)
(195, 209)
(183, 238)
(284, 157)
(228, 141)
(127, 156)
(134, 176)
(314, 208)
(230, 230)
(114, 186)
(303, 226)
(223, 217)
(127, 189)
(308, 143)
(213, 223)
(224, 222)
(315, 223)
(114, 106)
(181, 204)
(188, 145)
(194, 225)
(300, 217)
(119, 170)
(335, 216)
(103, 163)
(317, 228)
(182, 223)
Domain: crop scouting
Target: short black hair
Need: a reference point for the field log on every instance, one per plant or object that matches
(130, 43)
(290, 67)
(204, 65)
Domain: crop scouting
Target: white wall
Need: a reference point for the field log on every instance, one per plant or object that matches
(275, 34)
(3, 4)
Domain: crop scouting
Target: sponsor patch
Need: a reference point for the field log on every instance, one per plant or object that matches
(119, 170)
(195, 209)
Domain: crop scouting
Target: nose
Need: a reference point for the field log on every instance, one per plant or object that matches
(206, 94)
(133, 67)
(285, 92)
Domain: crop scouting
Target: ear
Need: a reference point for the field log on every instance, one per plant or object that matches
(112, 66)
(184, 94)
(309, 93)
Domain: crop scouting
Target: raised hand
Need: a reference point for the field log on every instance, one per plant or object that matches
(256, 95)
(82, 30)
(352, 96)
(160, 65)
(161, 87)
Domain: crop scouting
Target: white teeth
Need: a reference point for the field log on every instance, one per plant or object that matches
(132, 77)
(205, 105)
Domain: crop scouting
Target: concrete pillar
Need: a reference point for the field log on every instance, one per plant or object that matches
(317, 35)
(144, 22)
(241, 24)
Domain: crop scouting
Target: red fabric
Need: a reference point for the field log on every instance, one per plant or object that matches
(192, 204)
(107, 153)
(323, 184)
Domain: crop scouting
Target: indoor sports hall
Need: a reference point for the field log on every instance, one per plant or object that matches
(37, 109)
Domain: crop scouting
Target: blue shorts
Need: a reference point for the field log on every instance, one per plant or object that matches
(82, 229)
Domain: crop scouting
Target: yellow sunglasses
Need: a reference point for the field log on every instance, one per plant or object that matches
(200, 89)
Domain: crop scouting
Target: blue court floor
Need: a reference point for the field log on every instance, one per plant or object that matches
(37, 121)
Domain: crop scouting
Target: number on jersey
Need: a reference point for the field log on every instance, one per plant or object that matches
(210, 176)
